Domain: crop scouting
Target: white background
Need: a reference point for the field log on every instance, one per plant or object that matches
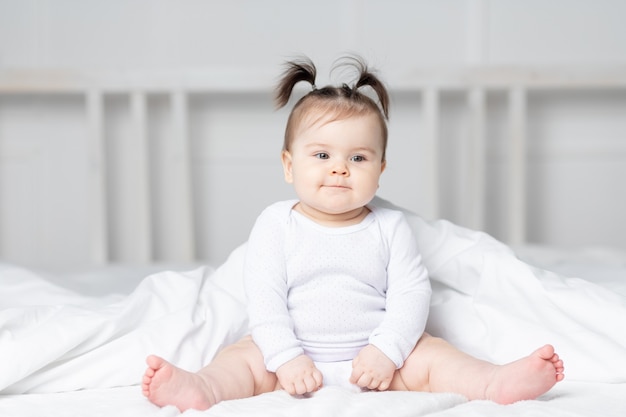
(577, 141)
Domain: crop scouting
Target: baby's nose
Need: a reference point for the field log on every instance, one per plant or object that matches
(340, 170)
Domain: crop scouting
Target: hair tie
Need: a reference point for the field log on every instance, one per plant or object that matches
(313, 87)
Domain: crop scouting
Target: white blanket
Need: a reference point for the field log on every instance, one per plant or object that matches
(485, 301)
(53, 340)
(494, 306)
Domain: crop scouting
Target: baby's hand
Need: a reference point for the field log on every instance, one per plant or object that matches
(372, 369)
(299, 376)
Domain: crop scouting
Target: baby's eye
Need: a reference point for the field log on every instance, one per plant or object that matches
(321, 155)
(357, 158)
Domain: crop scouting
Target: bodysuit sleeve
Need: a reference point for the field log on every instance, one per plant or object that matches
(408, 291)
(266, 288)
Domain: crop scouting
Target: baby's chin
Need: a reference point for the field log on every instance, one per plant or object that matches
(332, 215)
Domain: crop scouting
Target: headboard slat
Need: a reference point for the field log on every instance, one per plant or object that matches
(97, 177)
(430, 137)
(517, 166)
(475, 175)
(142, 213)
(182, 177)
(135, 175)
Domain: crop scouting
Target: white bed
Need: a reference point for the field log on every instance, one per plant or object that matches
(86, 358)
(73, 339)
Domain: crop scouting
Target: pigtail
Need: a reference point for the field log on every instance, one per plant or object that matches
(296, 71)
(369, 79)
(366, 78)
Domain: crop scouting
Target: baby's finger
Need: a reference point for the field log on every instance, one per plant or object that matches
(290, 388)
(384, 386)
(319, 379)
(374, 384)
(364, 381)
(300, 387)
(311, 384)
(354, 377)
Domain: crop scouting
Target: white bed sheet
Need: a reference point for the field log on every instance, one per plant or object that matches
(72, 353)
(571, 399)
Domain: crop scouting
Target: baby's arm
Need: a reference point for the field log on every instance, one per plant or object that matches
(372, 369)
(271, 325)
(407, 296)
(299, 376)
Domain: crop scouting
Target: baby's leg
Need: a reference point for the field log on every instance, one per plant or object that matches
(436, 366)
(236, 372)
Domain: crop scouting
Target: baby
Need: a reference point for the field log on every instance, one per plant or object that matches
(335, 283)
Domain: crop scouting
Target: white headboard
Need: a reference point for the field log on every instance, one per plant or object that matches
(158, 205)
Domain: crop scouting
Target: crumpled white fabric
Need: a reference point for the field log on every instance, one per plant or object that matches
(492, 305)
(53, 340)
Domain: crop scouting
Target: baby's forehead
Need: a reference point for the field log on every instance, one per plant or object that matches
(356, 132)
(316, 113)
(318, 119)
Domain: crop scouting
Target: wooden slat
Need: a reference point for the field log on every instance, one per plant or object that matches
(47, 81)
(430, 103)
(142, 213)
(182, 178)
(476, 174)
(540, 78)
(97, 178)
(517, 166)
(262, 80)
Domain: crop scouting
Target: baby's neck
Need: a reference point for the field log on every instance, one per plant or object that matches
(348, 218)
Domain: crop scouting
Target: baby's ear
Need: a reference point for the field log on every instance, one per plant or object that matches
(287, 166)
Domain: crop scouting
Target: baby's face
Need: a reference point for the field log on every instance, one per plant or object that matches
(335, 165)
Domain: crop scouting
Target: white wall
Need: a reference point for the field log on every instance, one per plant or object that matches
(577, 141)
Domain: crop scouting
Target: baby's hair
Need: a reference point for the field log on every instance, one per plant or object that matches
(340, 102)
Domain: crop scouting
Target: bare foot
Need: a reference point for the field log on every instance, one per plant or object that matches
(165, 384)
(526, 378)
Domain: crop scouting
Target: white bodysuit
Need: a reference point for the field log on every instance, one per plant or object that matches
(329, 291)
